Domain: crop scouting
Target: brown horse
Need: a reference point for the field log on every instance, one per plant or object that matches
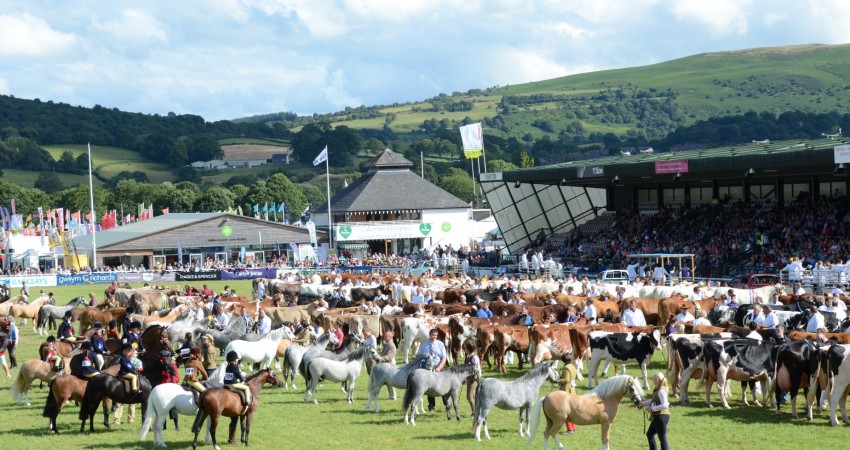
(599, 406)
(217, 402)
(109, 386)
(65, 388)
(29, 311)
(89, 316)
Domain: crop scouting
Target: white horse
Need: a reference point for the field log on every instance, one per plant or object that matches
(387, 374)
(164, 398)
(262, 351)
(295, 354)
(346, 371)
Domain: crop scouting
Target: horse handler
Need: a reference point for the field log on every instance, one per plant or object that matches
(659, 410)
(567, 383)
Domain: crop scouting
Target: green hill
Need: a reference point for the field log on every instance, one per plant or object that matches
(648, 101)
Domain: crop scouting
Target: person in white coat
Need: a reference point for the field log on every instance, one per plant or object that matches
(633, 317)
(816, 322)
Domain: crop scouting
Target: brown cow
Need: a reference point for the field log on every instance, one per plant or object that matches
(485, 336)
(463, 327)
(507, 338)
(550, 342)
(649, 308)
(673, 305)
(843, 338)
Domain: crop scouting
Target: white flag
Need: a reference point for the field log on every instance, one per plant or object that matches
(473, 140)
(322, 157)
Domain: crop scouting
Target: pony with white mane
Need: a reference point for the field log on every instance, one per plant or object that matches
(167, 397)
(295, 354)
(262, 351)
(599, 406)
(517, 394)
(345, 371)
(388, 374)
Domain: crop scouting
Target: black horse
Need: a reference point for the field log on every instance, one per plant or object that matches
(105, 385)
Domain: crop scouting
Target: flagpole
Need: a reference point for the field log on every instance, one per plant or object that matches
(93, 218)
(422, 162)
(472, 171)
(330, 220)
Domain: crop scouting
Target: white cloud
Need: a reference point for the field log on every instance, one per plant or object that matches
(4, 87)
(29, 36)
(774, 17)
(830, 18)
(563, 29)
(524, 65)
(720, 17)
(135, 26)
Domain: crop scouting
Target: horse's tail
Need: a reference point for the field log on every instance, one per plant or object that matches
(476, 409)
(19, 385)
(286, 365)
(535, 420)
(146, 425)
(409, 395)
(307, 375)
(50, 405)
(41, 320)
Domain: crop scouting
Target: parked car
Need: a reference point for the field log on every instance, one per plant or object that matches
(752, 281)
(613, 276)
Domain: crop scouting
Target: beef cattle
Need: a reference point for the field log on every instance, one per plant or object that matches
(507, 338)
(463, 327)
(369, 293)
(672, 305)
(621, 348)
(485, 336)
(737, 359)
(744, 313)
(685, 362)
(549, 342)
(837, 367)
(358, 324)
(649, 308)
(797, 366)
(843, 338)
(721, 314)
(417, 329)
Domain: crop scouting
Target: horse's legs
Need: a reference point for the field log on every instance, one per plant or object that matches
(521, 409)
(606, 434)
(454, 403)
(173, 415)
(248, 427)
(214, 426)
(351, 390)
(196, 427)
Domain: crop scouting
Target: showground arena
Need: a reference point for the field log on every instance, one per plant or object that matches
(284, 420)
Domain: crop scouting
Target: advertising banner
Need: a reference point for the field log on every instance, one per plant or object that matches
(197, 276)
(248, 274)
(842, 154)
(86, 278)
(145, 277)
(378, 232)
(674, 166)
(32, 281)
(590, 171)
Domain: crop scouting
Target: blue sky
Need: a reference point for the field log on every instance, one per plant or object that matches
(224, 59)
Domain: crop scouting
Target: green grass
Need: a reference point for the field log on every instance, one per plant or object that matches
(109, 161)
(28, 177)
(283, 421)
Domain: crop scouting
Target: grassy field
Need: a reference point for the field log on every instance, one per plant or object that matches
(283, 421)
(109, 161)
(27, 178)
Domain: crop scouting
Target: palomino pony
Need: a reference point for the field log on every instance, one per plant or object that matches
(520, 393)
(445, 384)
(345, 371)
(106, 385)
(165, 398)
(69, 387)
(53, 312)
(217, 402)
(32, 370)
(599, 406)
(260, 352)
(388, 374)
(29, 311)
(295, 354)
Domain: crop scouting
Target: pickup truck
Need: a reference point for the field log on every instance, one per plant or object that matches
(752, 281)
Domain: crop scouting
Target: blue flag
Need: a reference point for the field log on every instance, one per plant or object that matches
(256, 208)
(281, 207)
(273, 208)
(266, 208)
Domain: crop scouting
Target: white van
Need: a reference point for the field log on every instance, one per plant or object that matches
(614, 276)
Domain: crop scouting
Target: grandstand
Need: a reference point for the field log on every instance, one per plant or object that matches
(550, 205)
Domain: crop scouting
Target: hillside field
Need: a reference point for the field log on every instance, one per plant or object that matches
(109, 161)
(284, 421)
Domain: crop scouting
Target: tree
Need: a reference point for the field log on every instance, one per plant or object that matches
(459, 186)
(67, 163)
(48, 182)
(282, 189)
(27, 199)
(498, 165)
(179, 154)
(215, 199)
(312, 194)
(526, 160)
(205, 147)
(188, 173)
(77, 199)
(83, 163)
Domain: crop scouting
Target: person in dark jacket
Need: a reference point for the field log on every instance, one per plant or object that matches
(134, 338)
(128, 321)
(88, 366)
(66, 330)
(98, 344)
(127, 370)
(233, 376)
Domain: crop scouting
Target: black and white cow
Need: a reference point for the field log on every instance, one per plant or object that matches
(798, 365)
(621, 348)
(685, 362)
(737, 359)
(837, 366)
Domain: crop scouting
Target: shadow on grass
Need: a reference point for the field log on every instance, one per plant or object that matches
(749, 415)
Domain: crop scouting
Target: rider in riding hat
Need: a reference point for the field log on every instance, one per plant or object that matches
(133, 338)
(98, 344)
(51, 355)
(66, 330)
(87, 364)
(112, 332)
(233, 376)
(128, 321)
(195, 372)
(127, 369)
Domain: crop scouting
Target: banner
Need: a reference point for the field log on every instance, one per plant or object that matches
(197, 276)
(86, 278)
(32, 281)
(473, 140)
(842, 154)
(674, 166)
(590, 171)
(322, 157)
(248, 274)
(145, 277)
(379, 232)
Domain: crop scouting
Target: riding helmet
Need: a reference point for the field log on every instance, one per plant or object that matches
(232, 356)
(98, 325)
(113, 323)
(67, 314)
(131, 310)
(127, 346)
(51, 338)
(136, 324)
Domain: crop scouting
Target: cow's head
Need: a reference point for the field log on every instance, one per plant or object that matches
(655, 338)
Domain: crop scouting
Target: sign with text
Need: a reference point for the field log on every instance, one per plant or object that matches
(197, 276)
(145, 277)
(86, 278)
(32, 281)
(490, 176)
(842, 154)
(590, 171)
(248, 274)
(384, 231)
(674, 166)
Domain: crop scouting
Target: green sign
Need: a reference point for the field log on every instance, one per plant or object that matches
(345, 231)
(425, 228)
(446, 227)
(226, 230)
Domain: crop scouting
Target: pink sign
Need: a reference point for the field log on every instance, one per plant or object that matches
(675, 166)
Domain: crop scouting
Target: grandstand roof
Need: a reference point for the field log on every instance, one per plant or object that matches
(792, 157)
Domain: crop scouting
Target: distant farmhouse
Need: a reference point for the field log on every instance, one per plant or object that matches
(247, 155)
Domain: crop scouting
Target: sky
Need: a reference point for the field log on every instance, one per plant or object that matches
(224, 59)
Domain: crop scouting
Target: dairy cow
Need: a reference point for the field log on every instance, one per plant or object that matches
(737, 359)
(622, 348)
(684, 362)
